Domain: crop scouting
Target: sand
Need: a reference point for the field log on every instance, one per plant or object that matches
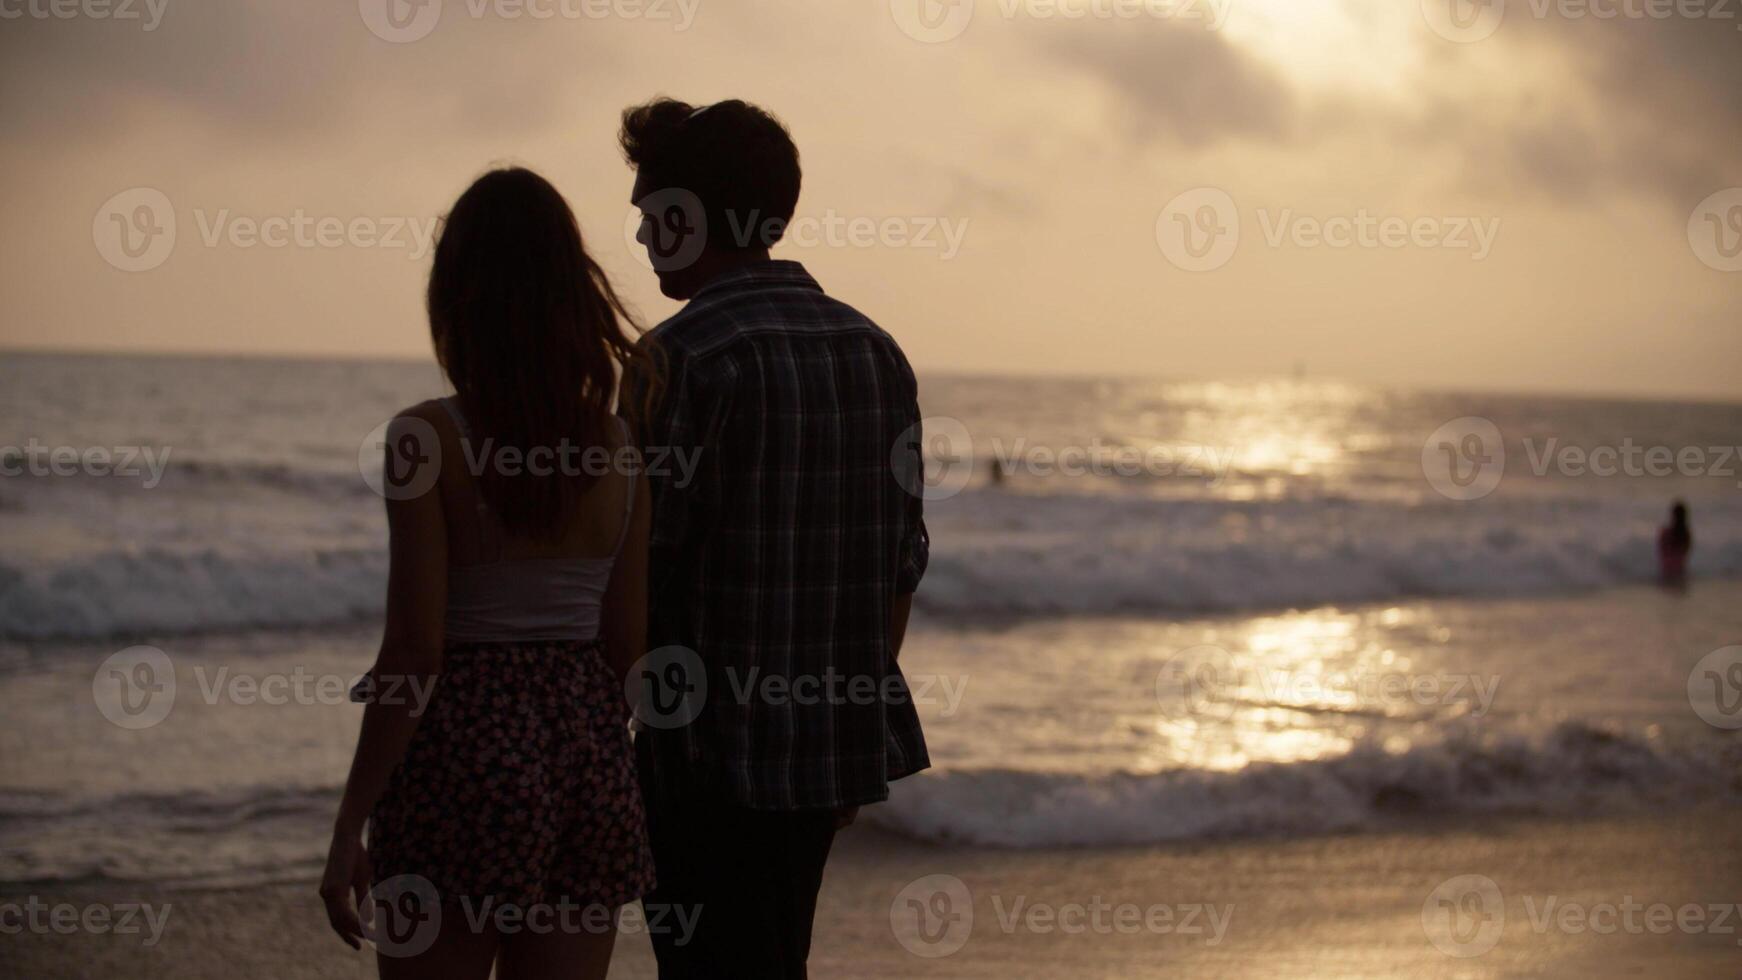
(1340, 906)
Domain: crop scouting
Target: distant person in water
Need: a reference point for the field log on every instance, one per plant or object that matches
(1673, 544)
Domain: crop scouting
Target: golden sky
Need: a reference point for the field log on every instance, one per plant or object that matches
(1518, 194)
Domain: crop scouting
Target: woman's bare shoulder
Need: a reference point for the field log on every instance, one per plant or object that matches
(424, 419)
(429, 410)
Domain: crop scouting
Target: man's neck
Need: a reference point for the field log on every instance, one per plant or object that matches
(712, 265)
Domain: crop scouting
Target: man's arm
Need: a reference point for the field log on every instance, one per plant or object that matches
(680, 435)
(899, 610)
(915, 542)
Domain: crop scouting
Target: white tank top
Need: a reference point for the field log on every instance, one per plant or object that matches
(528, 599)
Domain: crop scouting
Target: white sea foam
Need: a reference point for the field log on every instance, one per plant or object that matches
(994, 554)
(161, 591)
(1573, 768)
(1012, 554)
(253, 834)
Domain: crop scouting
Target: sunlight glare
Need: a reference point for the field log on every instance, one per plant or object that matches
(1360, 46)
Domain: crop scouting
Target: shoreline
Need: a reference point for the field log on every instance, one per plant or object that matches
(1347, 905)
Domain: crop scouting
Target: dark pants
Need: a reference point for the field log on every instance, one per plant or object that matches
(747, 879)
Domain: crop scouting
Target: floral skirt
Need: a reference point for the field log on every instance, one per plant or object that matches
(519, 785)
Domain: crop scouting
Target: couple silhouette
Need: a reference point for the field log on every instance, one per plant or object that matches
(562, 582)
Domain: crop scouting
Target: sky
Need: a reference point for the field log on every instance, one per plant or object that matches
(1514, 194)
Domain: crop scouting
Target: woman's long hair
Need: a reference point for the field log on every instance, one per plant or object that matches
(530, 333)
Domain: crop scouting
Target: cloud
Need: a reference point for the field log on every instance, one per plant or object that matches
(1636, 106)
(1667, 97)
(273, 72)
(1177, 81)
(1549, 106)
(970, 194)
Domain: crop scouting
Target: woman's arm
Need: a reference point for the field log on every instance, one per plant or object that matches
(405, 670)
(625, 614)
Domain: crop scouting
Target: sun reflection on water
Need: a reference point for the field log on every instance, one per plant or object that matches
(1286, 688)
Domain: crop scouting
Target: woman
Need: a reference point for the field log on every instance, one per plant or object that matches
(517, 595)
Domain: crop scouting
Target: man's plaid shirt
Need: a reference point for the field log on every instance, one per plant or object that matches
(778, 561)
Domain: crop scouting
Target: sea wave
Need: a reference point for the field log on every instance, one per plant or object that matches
(255, 834)
(994, 554)
(336, 483)
(1013, 555)
(172, 472)
(156, 590)
(1573, 768)
(235, 836)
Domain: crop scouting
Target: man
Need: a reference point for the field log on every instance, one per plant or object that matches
(782, 569)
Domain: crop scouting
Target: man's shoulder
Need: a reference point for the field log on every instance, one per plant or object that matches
(696, 329)
(719, 326)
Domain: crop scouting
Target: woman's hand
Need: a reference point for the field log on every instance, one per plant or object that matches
(345, 886)
(411, 650)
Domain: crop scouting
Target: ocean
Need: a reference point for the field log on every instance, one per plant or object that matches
(1156, 610)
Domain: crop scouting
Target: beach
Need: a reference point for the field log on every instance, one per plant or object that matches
(1273, 704)
(1335, 906)
(1237, 489)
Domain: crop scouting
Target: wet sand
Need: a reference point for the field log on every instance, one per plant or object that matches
(1576, 898)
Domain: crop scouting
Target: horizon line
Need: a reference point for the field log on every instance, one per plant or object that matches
(369, 357)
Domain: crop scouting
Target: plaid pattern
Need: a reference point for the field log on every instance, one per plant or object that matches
(777, 563)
